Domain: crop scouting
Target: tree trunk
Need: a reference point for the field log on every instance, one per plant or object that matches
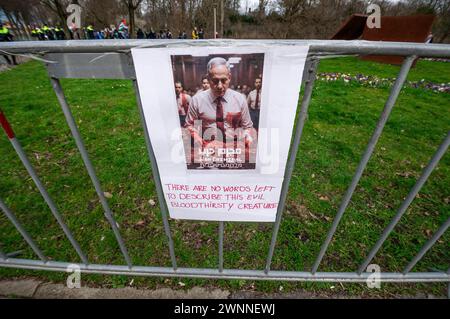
(131, 19)
(222, 12)
(57, 7)
(21, 25)
(183, 14)
(62, 14)
(261, 10)
(26, 24)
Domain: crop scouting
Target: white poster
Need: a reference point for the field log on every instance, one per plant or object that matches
(220, 121)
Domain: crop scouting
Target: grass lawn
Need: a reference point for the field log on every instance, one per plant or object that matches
(341, 119)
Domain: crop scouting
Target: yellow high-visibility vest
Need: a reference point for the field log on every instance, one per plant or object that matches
(4, 30)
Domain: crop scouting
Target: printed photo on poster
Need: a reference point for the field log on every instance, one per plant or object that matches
(220, 122)
(218, 100)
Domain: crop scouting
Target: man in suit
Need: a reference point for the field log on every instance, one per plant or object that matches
(218, 118)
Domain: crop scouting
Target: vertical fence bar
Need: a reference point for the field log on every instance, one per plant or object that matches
(427, 246)
(21, 230)
(309, 84)
(87, 162)
(448, 285)
(23, 157)
(221, 246)
(412, 194)
(156, 178)
(2, 255)
(367, 154)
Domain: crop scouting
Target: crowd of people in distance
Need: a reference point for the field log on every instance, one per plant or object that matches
(46, 32)
(167, 34)
(89, 32)
(244, 88)
(49, 33)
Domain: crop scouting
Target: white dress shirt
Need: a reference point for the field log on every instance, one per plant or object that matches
(203, 108)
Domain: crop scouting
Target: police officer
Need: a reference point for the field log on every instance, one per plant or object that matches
(48, 34)
(6, 36)
(41, 34)
(60, 35)
(90, 32)
(34, 33)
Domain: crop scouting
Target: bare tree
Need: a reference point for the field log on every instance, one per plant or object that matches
(271, 18)
(262, 9)
(102, 13)
(131, 7)
(440, 8)
(20, 14)
(59, 8)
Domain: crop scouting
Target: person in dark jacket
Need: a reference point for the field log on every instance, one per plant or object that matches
(140, 34)
(201, 34)
(151, 34)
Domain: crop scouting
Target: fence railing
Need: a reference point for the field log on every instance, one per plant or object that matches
(112, 59)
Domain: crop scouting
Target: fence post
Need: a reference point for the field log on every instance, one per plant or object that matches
(316, 47)
(87, 162)
(157, 179)
(22, 230)
(309, 84)
(427, 246)
(23, 157)
(367, 154)
(412, 194)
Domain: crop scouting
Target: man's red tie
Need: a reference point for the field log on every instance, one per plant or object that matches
(257, 100)
(219, 117)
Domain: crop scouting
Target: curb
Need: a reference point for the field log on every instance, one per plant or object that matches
(31, 288)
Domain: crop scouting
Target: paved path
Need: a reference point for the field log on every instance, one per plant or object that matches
(36, 289)
(32, 288)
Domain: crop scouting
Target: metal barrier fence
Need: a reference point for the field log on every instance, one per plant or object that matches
(111, 59)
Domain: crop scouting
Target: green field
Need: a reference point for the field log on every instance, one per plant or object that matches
(341, 119)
